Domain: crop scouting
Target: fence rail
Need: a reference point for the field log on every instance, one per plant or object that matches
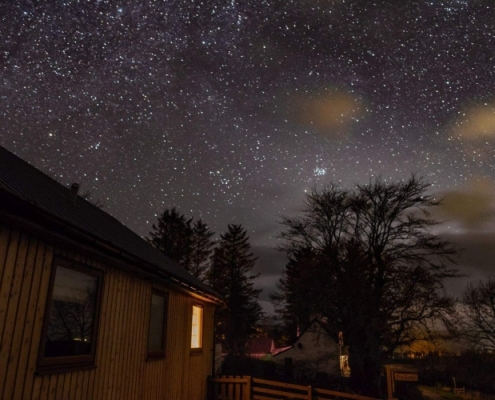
(248, 388)
(475, 395)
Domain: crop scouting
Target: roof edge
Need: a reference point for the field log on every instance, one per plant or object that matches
(105, 246)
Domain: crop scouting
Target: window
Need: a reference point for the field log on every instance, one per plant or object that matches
(68, 339)
(157, 325)
(197, 328)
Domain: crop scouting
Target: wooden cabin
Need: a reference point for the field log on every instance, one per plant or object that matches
(88, 309)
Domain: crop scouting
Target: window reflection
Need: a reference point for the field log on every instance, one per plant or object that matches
(71, 314)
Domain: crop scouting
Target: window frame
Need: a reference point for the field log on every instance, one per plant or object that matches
(77, 362)
(199, 349)
(158, 354)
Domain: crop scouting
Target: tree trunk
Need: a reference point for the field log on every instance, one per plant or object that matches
(364, 362)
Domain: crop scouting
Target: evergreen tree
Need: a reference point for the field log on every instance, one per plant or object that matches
(230, 276)
(186, 242)
(201, 249)
(172, 236)
(291, 302)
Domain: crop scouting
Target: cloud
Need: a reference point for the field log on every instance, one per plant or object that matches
(472, 206)
(269, 265)
(330, 113)
(478, 122)
(476, 259)
(270, 262)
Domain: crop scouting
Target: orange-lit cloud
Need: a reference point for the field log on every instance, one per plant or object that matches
(477, 122)
(473, 206)
(330, 113)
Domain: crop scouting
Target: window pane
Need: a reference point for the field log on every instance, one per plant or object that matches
(157, 319)
(197, 327)
(72, 312)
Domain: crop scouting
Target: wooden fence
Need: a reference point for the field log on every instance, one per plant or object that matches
(475, 395)
(248, 388)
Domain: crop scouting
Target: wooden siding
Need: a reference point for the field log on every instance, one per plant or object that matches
(122, 369)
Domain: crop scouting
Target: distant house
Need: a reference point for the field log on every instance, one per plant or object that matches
(260, 348)
(88, 309)
(315, 352)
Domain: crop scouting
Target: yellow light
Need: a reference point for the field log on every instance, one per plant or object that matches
(197, 328)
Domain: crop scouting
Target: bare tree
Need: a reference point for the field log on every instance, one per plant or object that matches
(71, 324)
(371, 264)
(479, 314)
(89, 195)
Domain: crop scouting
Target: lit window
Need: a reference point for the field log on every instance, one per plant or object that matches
(197, 327)
(71, 318)
(157, 325)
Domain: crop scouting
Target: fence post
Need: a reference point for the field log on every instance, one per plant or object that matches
(247, 389)
(310, 393)
(209, 384)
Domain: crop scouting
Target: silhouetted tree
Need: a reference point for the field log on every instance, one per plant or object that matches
(291, 302)
(89, 195)
(230, 275)
(367, 260)
(189, 243)
(479, 314)
(201, 249)
(173, 235)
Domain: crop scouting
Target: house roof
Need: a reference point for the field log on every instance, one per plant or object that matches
(310, 328)
(312, 325)
(281, 350)
(44, 195)
(260, 346)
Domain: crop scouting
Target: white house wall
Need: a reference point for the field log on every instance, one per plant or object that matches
(313, 352)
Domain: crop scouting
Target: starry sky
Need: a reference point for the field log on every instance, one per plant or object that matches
(232, 110)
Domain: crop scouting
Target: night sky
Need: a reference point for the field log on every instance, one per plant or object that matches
(232, 110)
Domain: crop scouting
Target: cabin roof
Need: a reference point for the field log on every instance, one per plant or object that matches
(45, 195)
